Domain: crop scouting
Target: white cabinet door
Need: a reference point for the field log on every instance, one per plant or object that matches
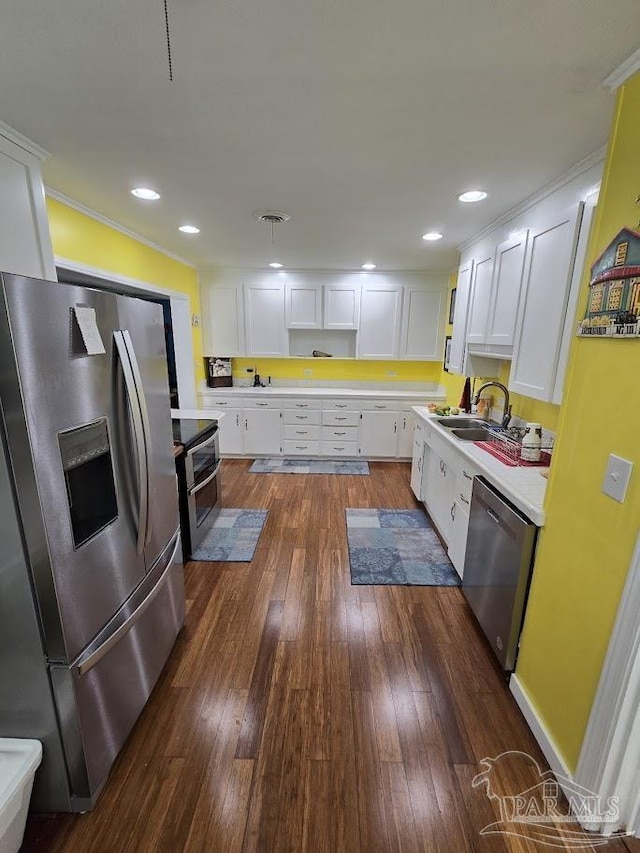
(379, 433)
(223, 322)
(341, 306)
(543, 305)
(380, 317)
(417, 473)
(406, 429)
(458, 531)
(422, 324)
(460, 315)
(262, 431)
(265, 321)
(505, 292)
(304, 306)
(480, 301)
(232, 432)
(440, 494)
(25, 244)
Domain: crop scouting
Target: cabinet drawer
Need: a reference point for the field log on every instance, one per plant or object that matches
(335, 418)
(294, 416)
(262, 404)
(302, 404)
(346, 404)
(301, 432)
(381, 406)
(464, 483)
(301, 448)
(211, 401)
(339, 433)
(339, 448)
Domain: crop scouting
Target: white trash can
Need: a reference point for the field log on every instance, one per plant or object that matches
(19, 760)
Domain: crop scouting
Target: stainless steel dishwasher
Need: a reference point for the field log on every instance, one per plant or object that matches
(499, 556)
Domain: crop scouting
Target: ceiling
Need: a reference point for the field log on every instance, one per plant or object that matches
(364, 119)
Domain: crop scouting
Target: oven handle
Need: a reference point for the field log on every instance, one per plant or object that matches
(203, 444)
(195, 489)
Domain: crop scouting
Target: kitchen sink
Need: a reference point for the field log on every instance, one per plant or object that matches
(472, 434)
(461, 423)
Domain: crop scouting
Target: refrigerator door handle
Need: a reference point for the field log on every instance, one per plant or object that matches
(144, 413)
(104, 649)
(139, 434)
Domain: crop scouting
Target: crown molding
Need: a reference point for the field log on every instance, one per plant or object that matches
(582, 166)
(22, 141)
(206, 269)
(622, 73)
(110, 223)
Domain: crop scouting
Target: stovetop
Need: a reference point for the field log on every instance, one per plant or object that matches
(189, 431)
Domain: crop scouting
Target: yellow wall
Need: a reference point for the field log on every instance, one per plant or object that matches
(80, 238)
(339, 369)
(586, 548)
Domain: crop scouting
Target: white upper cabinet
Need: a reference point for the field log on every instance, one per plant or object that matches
(505, 292)
(459, 334)
(480, 300)
(25, 243)
(380, 316)
(223, 320)
(304, 306)
(422, 321)
(547, 281)
(266, 333)
(341, 306)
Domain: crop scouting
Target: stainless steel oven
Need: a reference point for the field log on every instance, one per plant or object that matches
(199, 481)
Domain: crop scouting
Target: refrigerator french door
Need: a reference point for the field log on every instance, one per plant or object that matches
(85, 398)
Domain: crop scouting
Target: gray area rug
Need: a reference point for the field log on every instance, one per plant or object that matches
(276, 465)
(396, 547)
(233, 537)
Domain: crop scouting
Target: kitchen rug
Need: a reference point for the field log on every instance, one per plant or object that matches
(276, 465)
(396, 546)
(233, 537)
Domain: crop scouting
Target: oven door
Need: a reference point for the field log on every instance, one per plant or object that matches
(202, 466)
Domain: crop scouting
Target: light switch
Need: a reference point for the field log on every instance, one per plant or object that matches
(616, 478)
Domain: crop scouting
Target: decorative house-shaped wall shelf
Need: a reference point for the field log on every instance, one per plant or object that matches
(613, 309)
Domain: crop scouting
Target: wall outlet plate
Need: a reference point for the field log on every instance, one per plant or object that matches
(616, 478)
(307, 372)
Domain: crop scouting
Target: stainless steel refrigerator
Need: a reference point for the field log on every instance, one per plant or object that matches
(91, 575)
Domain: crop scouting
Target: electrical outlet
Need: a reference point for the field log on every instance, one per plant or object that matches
(307, 372)
(616, 478)
(391, 373)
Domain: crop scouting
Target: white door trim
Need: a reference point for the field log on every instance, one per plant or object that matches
(180, 316)
(609, 762)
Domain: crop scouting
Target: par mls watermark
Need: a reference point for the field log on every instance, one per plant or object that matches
(551, 811)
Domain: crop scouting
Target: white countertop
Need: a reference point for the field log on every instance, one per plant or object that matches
(198, 414)
(363, 393)
(524, 487)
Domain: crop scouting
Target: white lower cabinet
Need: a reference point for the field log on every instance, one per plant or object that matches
(459, 528)
(300, 447)
(406, 429)
(263, 431)
(440, 493)
(339, 448)
(379, 433)
(232, 432)
(417, 471)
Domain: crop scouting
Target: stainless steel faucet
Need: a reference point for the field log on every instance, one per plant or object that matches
(506, 416)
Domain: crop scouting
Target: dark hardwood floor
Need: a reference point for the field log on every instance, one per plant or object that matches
(300, 713)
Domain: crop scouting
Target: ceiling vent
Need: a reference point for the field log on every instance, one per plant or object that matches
(272, 217)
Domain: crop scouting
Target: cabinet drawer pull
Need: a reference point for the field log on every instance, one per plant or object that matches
(221, 403)
(340, 433)
(262, 404)
(302, 405)
(379, 407)
(301, 417)
(341, 405)
(338, 448)
(463, 499)
(302, 432)
(340, 419)
(468, 476)
(453, 512)
(301, 446)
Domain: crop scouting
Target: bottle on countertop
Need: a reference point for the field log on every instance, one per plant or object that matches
(531, 443)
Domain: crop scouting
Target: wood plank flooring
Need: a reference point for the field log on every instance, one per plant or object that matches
(300, 713)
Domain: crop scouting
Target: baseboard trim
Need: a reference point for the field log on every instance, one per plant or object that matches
(540, 733)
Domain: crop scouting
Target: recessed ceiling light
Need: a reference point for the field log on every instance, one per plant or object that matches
(188, 229)
(472, 195)
(145, 193)
(432, 235)
(275, 265)
(368, 266)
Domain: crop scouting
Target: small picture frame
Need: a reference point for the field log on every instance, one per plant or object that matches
(447, 353)
(452, 305)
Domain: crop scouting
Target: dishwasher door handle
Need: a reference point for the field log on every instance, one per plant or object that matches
(493, 515)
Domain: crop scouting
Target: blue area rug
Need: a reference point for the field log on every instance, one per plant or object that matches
(396, 546)
(309, 466)
(233, 537)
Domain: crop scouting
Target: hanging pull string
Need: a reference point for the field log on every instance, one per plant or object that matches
(166, 23)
